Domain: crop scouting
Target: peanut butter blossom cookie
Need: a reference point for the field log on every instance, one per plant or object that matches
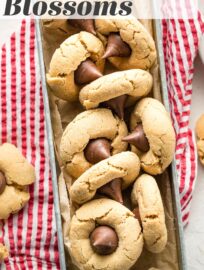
(153, 136)
(129, 44)
(117, 90)
(105, 235)
(78, 61)
(16, 174)
(91, 137)
(123, 168)
(150, 212)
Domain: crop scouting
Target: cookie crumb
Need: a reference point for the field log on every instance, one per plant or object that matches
(199, 129)
(3, 252)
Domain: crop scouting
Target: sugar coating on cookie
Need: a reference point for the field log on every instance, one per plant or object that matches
(88, 125)
(18, 174)
(133, 33)
(110, 213)
(160, 133)
(67, 58)
(3, 253)
(135, 83)
(125, 165)
(146, 194)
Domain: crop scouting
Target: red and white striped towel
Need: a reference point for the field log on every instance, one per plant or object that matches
(31, 234)
(180, 44)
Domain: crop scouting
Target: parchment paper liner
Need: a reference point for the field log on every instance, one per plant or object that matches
(54, 32)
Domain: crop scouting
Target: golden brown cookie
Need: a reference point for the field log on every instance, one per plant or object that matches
(105, 212)
(156, 123)
(87, 126)
(146, 194)
(16, 174)
(3, 253)
(134, 34)
(135, 83)
(66, 60)
(200, 137)
(125, 165)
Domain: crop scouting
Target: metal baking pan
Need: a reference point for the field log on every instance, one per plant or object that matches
(175, 190)
(51, 149)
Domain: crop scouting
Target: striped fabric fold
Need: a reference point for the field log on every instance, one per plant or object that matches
(30, 235)
(180, 44)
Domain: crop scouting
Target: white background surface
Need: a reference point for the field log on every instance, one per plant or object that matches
(194, 233)
(7, 27)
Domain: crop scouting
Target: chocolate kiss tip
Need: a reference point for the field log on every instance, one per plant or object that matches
(117, 105)
(138, 139)
(89, 27)
(120, 114)
(87, 72)
(118, 198)
(106, 54)
(97, 150)
(113, 190)
(130, 138)
(116, 47)
(85, 24)
(110, 52)
(91, 30)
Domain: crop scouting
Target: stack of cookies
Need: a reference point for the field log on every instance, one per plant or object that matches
(120, 142)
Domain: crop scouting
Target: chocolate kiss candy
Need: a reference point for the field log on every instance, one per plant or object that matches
(113, 190)
(117, 105)
(2, 183)
(138, 139)
(97, 150)
(86, 25)
(136, 212)
(104, 240)
(87, 72)
(116, 47)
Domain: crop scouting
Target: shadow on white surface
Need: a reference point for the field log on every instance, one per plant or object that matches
(194, 233)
